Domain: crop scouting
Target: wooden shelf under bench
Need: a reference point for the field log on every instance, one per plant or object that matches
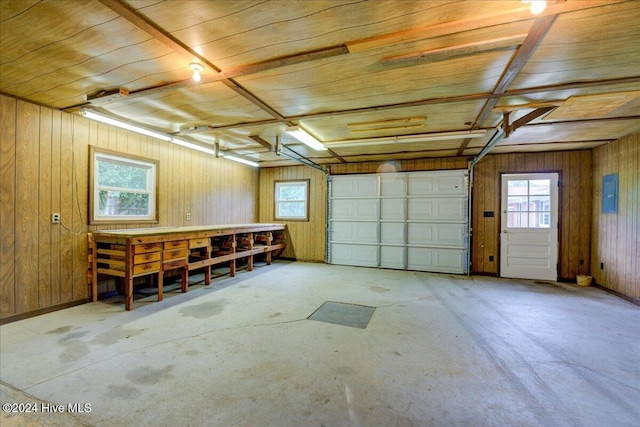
(131, 253)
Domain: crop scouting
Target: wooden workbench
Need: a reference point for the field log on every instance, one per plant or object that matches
(131, 253)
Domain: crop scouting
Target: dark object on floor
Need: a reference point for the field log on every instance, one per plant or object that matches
(345, 314)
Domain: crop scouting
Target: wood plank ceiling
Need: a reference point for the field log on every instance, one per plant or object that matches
(373, 80)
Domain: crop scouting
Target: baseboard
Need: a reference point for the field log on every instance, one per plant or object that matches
(40, 311)
(301, 260)
(632, 300)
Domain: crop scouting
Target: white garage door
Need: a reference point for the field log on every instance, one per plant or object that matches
(413, 221)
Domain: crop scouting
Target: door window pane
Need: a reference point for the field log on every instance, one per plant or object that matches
(517, 219)
(517, 203)
(517, 187)
(529, 203)
(540, 186)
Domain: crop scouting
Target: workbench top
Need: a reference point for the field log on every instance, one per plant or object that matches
(154, 231)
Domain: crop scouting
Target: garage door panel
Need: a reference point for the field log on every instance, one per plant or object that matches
(358, 255)
(437, 209)
(437, 184)
(355, 186)
(392, 257)
(364, 209)
(392, 185)
(356, 232)
(392, 209)
(436, 259)
(437, 234)
(392, 232)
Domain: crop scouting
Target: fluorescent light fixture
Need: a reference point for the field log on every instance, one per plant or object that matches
(164, 137)
(197, 69)
(215, 151)
(193, 146)
(239, 159)
(110, 121)
(301, 135)
(409, 139)
(537, 6)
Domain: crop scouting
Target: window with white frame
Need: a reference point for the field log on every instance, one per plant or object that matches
(291, 200)
(123, 188)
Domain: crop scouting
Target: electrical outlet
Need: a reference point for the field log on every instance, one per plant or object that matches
(188, 216)
(55, 218)
(602, 266)
(490, 258)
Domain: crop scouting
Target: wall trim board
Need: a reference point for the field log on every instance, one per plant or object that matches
(41, 311)
(632, 300)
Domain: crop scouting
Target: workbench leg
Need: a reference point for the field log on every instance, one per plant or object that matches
(250, 260)
(184, 277)
(269, 243)
(160, 286)
(207, 269)
(207, 275)
(94, 278)
(128, 293)
(232, 268)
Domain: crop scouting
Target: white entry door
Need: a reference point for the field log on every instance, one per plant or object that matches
(529, 236)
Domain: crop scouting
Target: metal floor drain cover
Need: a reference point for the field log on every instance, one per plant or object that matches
(340, 313)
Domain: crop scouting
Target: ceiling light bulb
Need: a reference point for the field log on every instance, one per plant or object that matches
(197, 69)
(537, 6)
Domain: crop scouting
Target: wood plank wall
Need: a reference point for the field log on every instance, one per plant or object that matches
(574, 169)
(306, 240)
(616, 237)
(44, 155)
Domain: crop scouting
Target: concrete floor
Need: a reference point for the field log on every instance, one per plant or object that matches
(438, 350)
